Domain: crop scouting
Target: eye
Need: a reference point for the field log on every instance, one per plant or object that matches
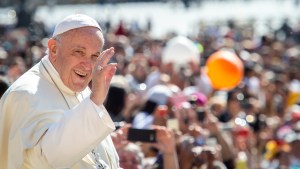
(95, 57)
(79, 52)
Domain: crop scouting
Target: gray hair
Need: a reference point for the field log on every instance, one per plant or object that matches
(59, 37)
(134, 148)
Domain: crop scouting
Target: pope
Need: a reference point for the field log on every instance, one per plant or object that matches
(50, 118)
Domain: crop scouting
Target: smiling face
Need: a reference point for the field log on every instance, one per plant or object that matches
(74, 55)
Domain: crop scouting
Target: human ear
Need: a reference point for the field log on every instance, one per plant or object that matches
(52, 49)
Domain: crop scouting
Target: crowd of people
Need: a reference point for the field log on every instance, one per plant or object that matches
(254, 125)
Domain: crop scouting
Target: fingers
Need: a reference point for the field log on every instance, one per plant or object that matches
(124, 129)
(105, 56)
(104, 59)
(109, 71)
(102, 75)
(165, 140)
(162, 133)
(119, 139)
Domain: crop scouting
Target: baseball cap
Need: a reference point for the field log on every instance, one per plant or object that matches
(197, 98)
(159, 94)
(293, 113)
(75, 21)
(120, 82)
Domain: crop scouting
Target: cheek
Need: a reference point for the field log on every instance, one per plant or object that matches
(64, 68)
(93, 65)
(63, 64)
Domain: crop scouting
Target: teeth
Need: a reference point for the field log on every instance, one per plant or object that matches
(80, 73)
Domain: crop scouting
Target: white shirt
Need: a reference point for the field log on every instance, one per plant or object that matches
(142, 120)
(39, 130)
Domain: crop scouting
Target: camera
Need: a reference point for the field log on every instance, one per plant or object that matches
(142, 135)
(201, 114)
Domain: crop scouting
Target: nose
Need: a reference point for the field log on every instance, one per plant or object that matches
(87, 64)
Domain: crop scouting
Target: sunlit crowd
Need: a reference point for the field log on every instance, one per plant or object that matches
(255, 124)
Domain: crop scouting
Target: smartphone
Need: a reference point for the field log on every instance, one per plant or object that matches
(211, 142)
(142, 135)
(201, 114)
(173, 124)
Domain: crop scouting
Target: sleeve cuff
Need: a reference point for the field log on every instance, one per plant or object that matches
(102, 112)
(97, 108)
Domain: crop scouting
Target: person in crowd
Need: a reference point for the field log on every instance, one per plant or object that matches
(287, 141)
(233, 107)
(116, 98)
(50, 118)
(3, 85)
(30, 131)
(15, 68)
(132, 155)
(121, 102)
(156, 97)
(138, 70)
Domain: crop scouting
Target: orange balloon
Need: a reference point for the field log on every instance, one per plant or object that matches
(225, 70)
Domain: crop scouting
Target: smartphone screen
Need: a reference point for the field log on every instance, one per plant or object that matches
(200, 114)
(142, 135)
(173, 124)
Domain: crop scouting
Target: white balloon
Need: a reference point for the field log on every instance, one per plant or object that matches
(180, 51)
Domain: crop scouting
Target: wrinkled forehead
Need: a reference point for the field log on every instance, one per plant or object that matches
(79, 34)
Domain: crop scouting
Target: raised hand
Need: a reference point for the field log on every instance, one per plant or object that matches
(102, 75)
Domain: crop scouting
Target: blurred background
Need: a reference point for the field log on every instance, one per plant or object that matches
(223, 75)
(179, 16)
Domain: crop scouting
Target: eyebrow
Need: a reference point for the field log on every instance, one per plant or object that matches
(83, 48)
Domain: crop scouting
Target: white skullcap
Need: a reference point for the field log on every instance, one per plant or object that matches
(75, 21)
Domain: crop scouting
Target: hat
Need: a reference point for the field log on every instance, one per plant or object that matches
(120, 82)
(3, 54)
(159, 94)
(75, 21)
(293, 113)
(198, 98)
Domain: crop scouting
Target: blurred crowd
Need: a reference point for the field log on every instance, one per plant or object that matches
(254, 125)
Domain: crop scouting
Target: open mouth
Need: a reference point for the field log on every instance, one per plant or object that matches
(81, 74)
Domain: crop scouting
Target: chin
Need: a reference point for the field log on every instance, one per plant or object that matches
(79, 88)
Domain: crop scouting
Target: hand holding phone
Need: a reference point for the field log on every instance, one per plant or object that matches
(142, 135)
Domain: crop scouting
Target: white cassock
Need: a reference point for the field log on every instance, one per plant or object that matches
(39, 129)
